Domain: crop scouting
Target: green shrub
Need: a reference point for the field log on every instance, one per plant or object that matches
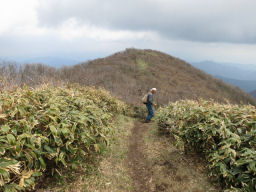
(224, 134)
(48, 128)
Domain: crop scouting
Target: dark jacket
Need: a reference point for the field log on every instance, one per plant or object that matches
(150, 98)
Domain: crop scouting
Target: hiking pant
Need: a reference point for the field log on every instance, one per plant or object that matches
(150, 111)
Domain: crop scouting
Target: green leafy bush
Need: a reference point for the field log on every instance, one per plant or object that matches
(224, 134)
(48, 128)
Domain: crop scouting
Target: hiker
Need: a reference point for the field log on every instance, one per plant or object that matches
(149, 103)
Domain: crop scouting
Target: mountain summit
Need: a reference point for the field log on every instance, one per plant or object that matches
(131, 73)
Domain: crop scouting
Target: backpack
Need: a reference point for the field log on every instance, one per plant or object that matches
(145, 99)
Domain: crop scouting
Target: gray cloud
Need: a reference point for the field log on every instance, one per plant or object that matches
(231, 21)
(219, 30)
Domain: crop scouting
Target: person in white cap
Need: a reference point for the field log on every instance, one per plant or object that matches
(150, 104)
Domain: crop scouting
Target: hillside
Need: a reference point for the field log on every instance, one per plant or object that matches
(131, 73)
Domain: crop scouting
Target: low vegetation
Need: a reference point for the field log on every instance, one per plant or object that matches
(224, 134)
(46, 129)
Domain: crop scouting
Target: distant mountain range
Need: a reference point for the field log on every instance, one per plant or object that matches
(228, 70)
(243, 76)
(247, 86)
(52, 61)
(56, 62)
(253, 93)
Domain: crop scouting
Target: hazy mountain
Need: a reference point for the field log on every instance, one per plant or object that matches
(5, 61)
(56, 62)
(247, 86)
(228, 70)
(52, 61)
(253, 93)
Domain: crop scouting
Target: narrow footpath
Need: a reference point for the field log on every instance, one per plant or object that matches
(157, 165)
(141, 172)
(139, 160)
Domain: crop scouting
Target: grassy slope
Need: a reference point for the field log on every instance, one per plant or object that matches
(131, 73)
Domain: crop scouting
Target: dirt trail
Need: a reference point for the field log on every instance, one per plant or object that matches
(140, 170)
(156, 165)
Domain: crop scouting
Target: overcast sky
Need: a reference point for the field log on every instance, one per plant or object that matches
(194, 30)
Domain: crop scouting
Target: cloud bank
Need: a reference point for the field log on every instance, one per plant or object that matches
(202, 20)
(193, 30)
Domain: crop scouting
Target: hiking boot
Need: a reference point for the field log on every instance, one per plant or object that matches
(146, 121)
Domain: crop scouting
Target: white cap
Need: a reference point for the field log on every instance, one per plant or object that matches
(153, 89)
